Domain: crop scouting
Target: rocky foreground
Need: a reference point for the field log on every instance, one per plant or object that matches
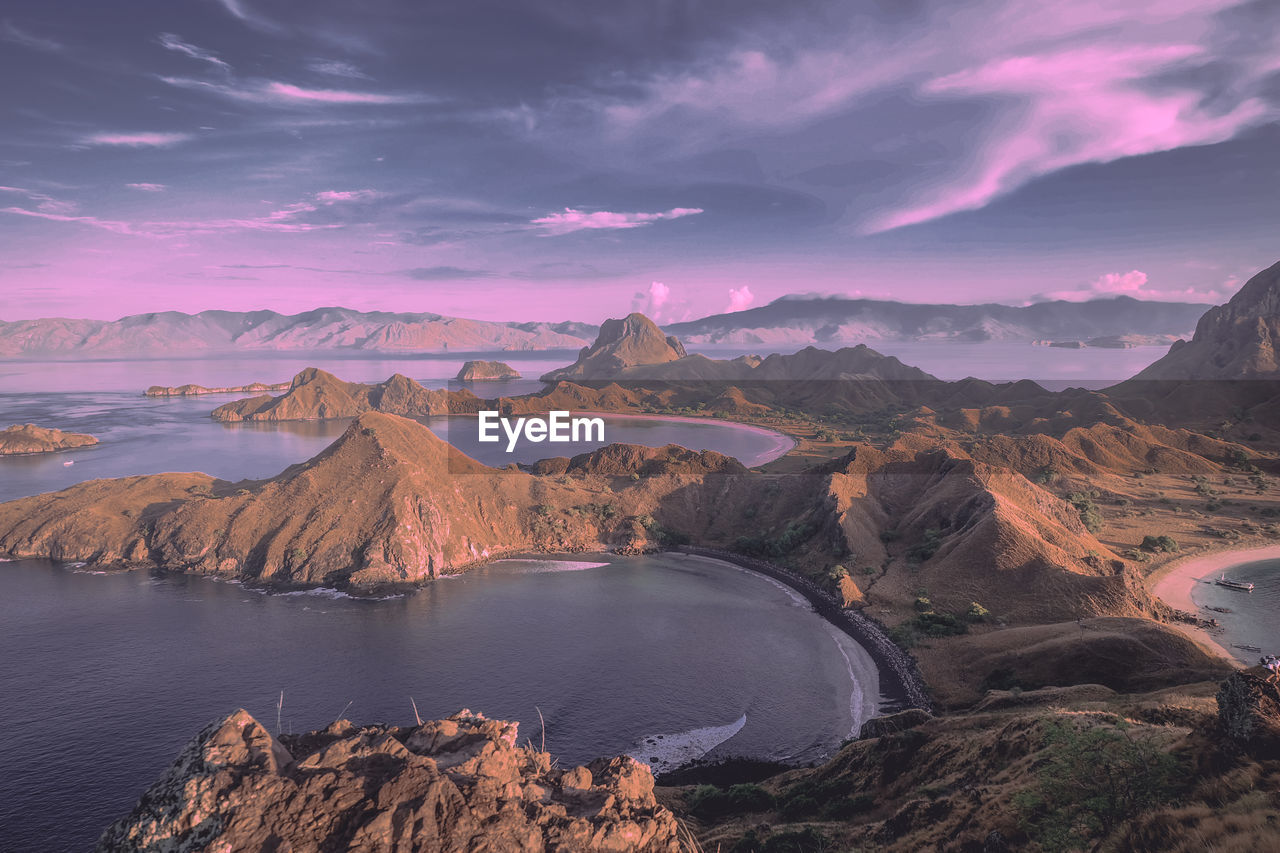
(460, 784)
(22, 439)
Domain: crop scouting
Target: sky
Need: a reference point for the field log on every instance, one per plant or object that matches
(578, 159)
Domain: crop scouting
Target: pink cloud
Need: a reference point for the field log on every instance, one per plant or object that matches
(1135, 284)
(554, 224)
(147, 188)
(740, 299)
(1080, 105)
(275, 92)
(135, 140)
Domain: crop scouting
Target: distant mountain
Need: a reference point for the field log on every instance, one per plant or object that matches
(173, 332)
(1233, 341)
(635, 348)
(795, 320)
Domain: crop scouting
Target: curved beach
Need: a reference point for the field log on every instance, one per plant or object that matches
(1173, 584)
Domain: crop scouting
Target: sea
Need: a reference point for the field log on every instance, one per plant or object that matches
(664, 657)
(1254, 619)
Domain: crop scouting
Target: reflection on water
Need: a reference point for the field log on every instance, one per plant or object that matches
(107, 676)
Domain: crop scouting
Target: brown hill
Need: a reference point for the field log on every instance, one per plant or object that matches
(621, 344)
(1233, 341)
(317, 395)
(387, 503)
(481, 371)
(444, 786)
(28, 438)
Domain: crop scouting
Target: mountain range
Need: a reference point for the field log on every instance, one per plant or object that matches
(792, 321)
(797, 320)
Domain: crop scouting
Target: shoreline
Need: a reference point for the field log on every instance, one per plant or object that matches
(1174, 582)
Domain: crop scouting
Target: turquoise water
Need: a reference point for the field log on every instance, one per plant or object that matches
(665, 657)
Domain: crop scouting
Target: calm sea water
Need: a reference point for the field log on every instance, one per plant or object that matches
(1254, 619)
(665, 657)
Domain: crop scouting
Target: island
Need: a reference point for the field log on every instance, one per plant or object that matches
(198, 390)
(487, 371)
(23, 439)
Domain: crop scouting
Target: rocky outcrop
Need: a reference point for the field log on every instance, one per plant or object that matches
(460, 784)
(487, 371)
(315, 394)
(1249, 712)
(893, 723)
(22, 439)
(1234, 341)
(198, 390)
(621, 344)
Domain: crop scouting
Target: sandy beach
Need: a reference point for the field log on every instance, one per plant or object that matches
(1174, 582)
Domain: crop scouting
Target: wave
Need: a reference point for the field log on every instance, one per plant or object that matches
(669, 751)
(535, 567)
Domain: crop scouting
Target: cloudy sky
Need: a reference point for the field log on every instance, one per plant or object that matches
(573, 159)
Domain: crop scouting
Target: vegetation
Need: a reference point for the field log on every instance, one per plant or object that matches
(709, 801)
(775, 546)
(928, 545)
(1093, 778)
(1090, 515)
(1159, 543)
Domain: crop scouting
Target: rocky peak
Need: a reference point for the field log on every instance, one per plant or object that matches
(457, 784)
(621, 344)
(1237, 340)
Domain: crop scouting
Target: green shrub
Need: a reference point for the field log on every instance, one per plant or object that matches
(977, 613)
(928, 545)
(1159, 543)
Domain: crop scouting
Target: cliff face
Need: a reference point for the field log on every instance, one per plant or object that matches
(29, 438)
(317, 395)
(1233, 341)
(459, 784)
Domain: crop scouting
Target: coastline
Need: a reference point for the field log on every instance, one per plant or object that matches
(1173, 583)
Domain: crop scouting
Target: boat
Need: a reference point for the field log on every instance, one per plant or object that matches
(1246, 647)
(1217, 609)
(1232, 584)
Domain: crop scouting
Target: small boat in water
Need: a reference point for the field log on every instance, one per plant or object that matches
(1246, 647)
(1230, 584)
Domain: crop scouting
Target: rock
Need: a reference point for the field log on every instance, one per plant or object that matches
(487, 371)
(893, 723)
(1249, 712)
(29, 438)
(460, 784)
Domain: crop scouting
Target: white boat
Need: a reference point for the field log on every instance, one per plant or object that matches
(1232, 584)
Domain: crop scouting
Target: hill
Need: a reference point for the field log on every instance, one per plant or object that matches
(316, 394)
(28, 438)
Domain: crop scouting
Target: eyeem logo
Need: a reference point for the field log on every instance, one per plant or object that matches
(558, 427)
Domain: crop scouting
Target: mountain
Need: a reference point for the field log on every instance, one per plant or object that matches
(1237, 340)
(171, 332)
(636, 349)
(621, 344)
(795, 320)
(316, 394)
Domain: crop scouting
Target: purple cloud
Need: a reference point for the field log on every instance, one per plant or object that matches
(555, 224)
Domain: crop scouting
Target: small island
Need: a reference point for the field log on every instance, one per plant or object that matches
(29, 438)
(487, 371)
(197, 390)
